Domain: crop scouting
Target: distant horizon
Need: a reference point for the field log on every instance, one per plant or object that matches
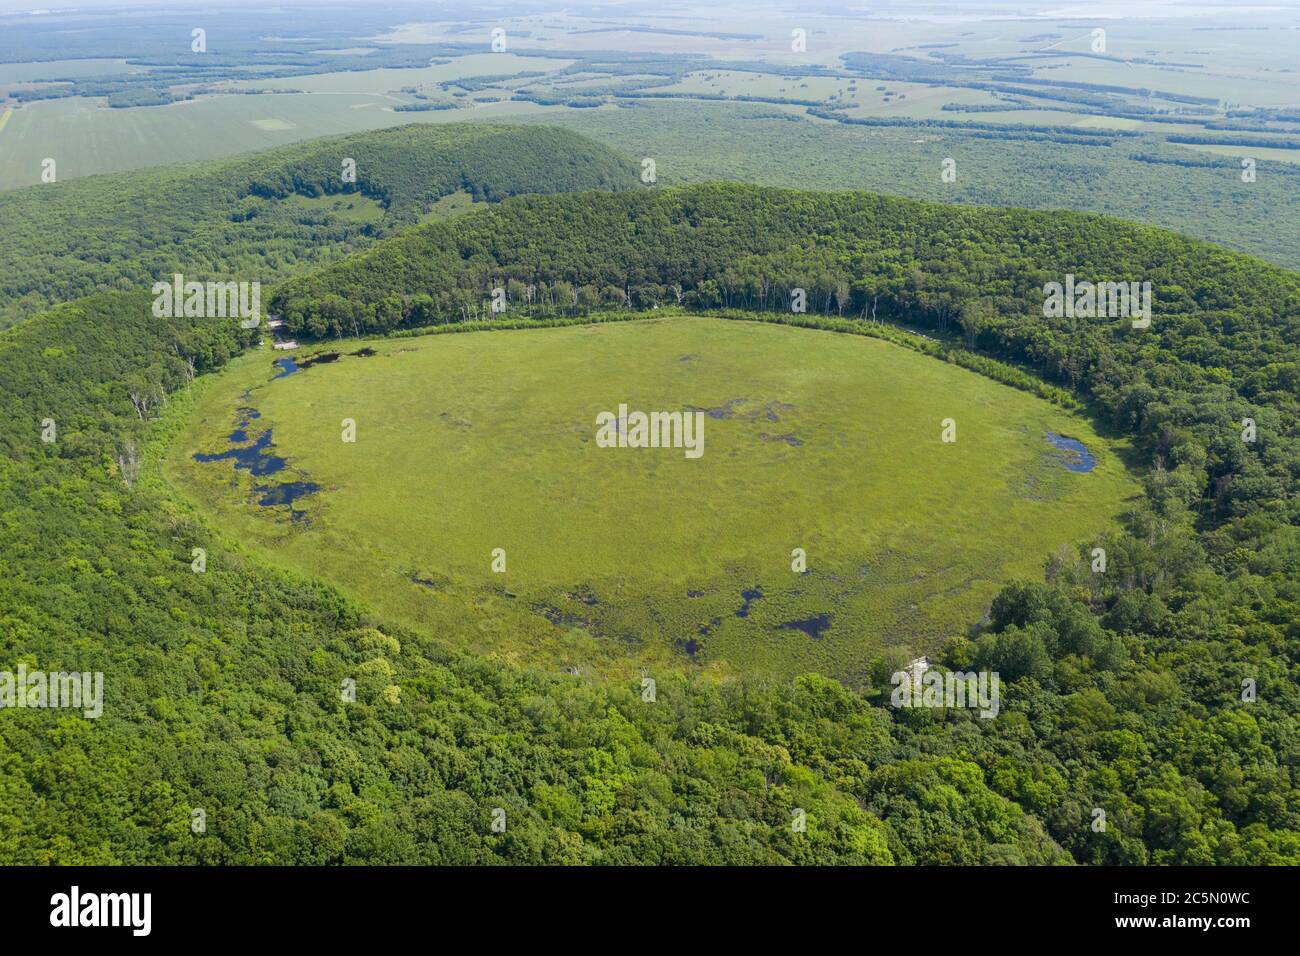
(1108, 9)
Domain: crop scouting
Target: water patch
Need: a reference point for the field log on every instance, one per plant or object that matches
(725, 410)
(584, 594)
(814, 627)
(564, 619)
(286, 493)
(772, 412)
(250, 458)
(769, 412)
(1075, 455)
(749, 597)
(794, 441)
(256, 459)
(323, 359)
(288, 366)
(428, 579)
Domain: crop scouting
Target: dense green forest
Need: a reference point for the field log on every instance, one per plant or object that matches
(223, 689)
(1123, 691)
(1127, 683)
(704, 141)
(221, 219)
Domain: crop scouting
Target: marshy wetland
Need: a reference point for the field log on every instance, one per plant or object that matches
(620, 556)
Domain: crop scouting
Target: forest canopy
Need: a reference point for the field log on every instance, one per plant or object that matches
(1123, 691)
(227, 219)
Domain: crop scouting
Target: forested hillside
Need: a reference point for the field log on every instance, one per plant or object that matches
(223, 689)
(228, 220)
(1131, 177)
(1134, 688)
(1123, 693)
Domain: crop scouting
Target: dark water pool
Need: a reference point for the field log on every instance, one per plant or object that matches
(814, 627)
(1076, 456)
(256, 459)
(285, 493)
(288, 365)
(250, 458)
(749, 597)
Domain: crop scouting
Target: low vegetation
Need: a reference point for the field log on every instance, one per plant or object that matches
(622, 559)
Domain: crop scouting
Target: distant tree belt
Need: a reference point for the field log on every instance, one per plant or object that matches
(424, 107)
(1074, 132)
(221, 220)
(779, 100)
(1266, 113)
(473, 84)
(962, 71)
(1255, 141)
(1176, 161)
(1244, 127)
(1107, 88)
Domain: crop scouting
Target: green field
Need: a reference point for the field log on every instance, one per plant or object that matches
(86, 138)
(620, 558)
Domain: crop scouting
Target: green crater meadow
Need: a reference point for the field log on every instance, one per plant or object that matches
(621, 558)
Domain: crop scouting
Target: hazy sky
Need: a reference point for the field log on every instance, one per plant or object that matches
(438, 9)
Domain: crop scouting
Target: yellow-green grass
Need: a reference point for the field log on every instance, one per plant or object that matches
(1275, 88)
(450, 206)
(353, 207)
(381, 81)
(1238, 152)
(619, 559)
(86, 138)
(858, 99)
(276, 125)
